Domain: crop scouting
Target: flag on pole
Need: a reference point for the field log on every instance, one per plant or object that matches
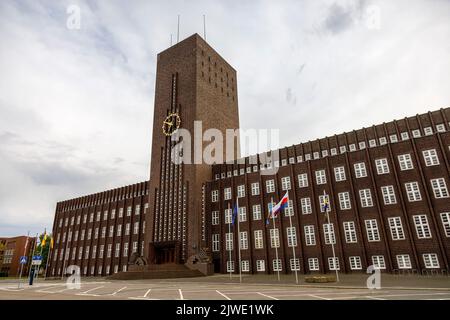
(276, 209)
(234, 214)
(44, 239)
(51, 243)
(326, 203)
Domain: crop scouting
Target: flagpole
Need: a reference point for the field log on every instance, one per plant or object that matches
(293, 247)
(21, 264)
(332, 242)
(50, 249)
(239, 239)
(274, 227)
(229, 232)
(40, 253)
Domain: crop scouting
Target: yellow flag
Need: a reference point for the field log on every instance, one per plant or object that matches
(51, 243)
(44, 239)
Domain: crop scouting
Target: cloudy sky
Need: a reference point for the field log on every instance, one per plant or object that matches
(76, 105)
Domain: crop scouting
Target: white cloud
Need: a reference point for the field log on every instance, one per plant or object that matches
(76, 106)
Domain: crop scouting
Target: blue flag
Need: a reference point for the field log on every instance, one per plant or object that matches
(234, 214)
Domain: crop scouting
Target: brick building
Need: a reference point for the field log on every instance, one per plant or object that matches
(11, 249)
(387, 186)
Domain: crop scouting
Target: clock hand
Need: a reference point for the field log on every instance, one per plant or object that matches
(168, 123)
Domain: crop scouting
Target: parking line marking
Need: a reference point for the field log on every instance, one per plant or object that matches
(223, 295)
(146, 294)
(412, 294)
(117, 291)
(374, 298)
(86, 292)
(265, 295)
(181, 294)
(318, 297)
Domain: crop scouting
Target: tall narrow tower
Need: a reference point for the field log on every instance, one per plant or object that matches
(193, 83)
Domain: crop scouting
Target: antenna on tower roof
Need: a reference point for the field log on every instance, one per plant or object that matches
(204, 27)
(178, 29)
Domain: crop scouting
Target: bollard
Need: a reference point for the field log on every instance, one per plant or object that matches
(31, 277)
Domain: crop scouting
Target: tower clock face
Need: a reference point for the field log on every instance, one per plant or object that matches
(171, 124)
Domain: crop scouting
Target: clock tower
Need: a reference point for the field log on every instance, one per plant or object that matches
(193, 83)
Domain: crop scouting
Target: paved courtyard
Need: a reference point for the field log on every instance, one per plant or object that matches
(221, 287)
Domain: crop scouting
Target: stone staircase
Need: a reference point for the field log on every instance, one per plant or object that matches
(156, 271)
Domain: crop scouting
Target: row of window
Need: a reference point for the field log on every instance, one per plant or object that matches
(81, 235)
(389, 198)
(405, 162)
(104, 200)
(421, 224)
(430, 261)
(382, 166)
(137, 210)
(86, 253)
(92, 270)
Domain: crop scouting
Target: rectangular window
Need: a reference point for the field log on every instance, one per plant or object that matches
(294, 264)
(241, 191)
(289, 209)
(245, 266)
(328, 232)
(216, 242)
(333, 263)
(228, 213)
(119, 230)
(395, 224)
(257, 212)
(306, 205)
(259, 244)
(136, 228)
(270, 186)
(80, 253)
(127, 229)
(344, 201)
(255, 189)
(439, 188)
(372, 230)
(378, 262)
(285, 183)
(445, 217)
(403, 261)
(313, 264)
(128, 211)
(366, 198)
(120, 212)
(125, 249)
(321, 178)
(405, 162)
(388, 195)
(117, 251)
(109, 250)
(350, 232)
(113, 214)
(339, 174)
(324, 201)
(214, 196)
(260, 265)
(431, 260)
(430, 157)
(230, 266)
(274, 238)
(137, 209)
(303, 180)
(111, 231)
(229, 241)
(310, 236)
(276, 263)
(244, 240)
(242, 214)
(422, 227)
(291, 236)
(355, 263)
(227, 193)
(405, 136)
(382, 166)
(360, 170)
(413, 191)
(215, 218)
